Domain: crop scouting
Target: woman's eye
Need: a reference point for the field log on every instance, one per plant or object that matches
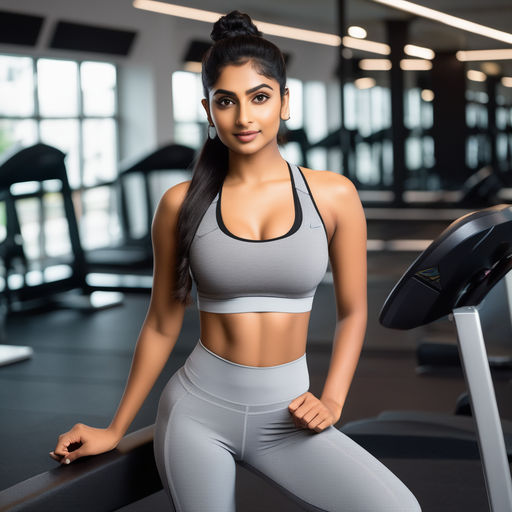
(221, 102)
(263, 97)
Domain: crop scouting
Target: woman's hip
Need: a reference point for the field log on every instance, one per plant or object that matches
(234, 383)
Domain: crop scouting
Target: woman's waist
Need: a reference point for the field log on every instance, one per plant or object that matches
(246, 384)
(256, 338)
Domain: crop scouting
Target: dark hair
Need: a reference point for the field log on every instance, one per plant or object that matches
(236, 41)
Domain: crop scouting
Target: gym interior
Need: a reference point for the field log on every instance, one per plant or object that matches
(100, 114)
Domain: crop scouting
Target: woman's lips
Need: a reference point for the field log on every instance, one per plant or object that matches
(246, 137)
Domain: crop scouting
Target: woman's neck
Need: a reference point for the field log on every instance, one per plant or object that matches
(256, 167)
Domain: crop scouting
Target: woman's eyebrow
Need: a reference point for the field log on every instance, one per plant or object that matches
(231, 93)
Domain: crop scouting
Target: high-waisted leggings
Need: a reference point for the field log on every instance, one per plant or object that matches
(214, 413)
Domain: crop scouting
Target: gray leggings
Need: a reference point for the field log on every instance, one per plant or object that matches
(214, 413)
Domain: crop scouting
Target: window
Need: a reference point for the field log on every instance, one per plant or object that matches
(190, 122)
(419, 145)
(367, 117)
(71, 105)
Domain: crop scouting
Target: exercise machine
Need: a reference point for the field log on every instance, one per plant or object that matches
(452, 277)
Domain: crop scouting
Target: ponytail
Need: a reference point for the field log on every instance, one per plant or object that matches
(236, 41)
(207, 177)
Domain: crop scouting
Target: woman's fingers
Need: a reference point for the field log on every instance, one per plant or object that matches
(310, 412)
(54, 456)
(69, 445)
(83, 440)
(73, 455)
(322, 425)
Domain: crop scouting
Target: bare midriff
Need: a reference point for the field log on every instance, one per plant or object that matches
(256, 338)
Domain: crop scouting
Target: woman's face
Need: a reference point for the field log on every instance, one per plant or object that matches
(242, 100)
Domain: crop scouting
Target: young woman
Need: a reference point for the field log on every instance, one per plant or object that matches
(255, 233)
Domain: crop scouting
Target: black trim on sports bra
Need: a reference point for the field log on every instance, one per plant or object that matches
(314, 204)
(296, 224)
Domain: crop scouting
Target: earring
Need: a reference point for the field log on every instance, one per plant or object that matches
(215, 131)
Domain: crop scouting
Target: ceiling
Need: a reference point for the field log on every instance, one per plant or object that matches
(322, 15)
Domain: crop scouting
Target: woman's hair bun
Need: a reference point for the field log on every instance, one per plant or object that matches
(235, 23)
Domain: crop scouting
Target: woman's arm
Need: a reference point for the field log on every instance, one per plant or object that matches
(347, 254)
(155, 342)
(164, 318)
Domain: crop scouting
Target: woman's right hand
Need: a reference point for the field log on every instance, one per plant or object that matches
(84, 440)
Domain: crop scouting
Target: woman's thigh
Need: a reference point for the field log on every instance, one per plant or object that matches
(195, 463)
(325, 471)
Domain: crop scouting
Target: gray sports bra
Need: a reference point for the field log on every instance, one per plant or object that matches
(235, 275)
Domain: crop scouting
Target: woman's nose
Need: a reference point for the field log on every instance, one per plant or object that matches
(243, 114)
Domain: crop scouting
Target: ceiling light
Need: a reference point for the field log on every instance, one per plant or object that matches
(364, 83)
(190, 13)
(375, 64)
(506, 81)
(298, 33)
(491, 68)
(177, 10)
(367, 46)
(476, 76)
(501, 54)
(418, 51)
(355, 31)
(194, 67)
(415, 64)
(448, 19)
(427, 95)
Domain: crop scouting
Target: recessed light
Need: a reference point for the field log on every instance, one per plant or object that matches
(415, 64)
(473, 55)
(375, 64)
(448, 19)
(364, 83)
(355, 31)
(367, 46)
(476, 76)
(419, 51)
(427, 95)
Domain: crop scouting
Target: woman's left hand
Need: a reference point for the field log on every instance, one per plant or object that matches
(316, 414)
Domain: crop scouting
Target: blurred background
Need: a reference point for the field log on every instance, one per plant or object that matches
(100, 113)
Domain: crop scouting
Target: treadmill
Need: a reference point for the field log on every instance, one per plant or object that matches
(452, 277)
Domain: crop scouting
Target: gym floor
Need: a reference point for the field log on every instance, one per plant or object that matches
(81, 362)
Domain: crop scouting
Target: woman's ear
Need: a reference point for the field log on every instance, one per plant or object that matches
(204, 102)
(285, 105)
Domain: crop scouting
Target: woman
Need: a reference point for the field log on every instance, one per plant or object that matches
(257, 253)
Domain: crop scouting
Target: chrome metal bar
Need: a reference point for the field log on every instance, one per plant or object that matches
(477, 373)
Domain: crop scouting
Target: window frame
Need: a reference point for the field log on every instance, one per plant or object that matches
(78, 192)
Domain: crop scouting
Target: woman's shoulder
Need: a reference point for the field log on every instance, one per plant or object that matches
(329, 184)
(174, 196)
(168, 207)
(330, 190)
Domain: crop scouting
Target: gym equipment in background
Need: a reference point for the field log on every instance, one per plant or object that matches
(452, 277)
(128, 265)
(10, 353)
(45, 280)
(481, 188)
